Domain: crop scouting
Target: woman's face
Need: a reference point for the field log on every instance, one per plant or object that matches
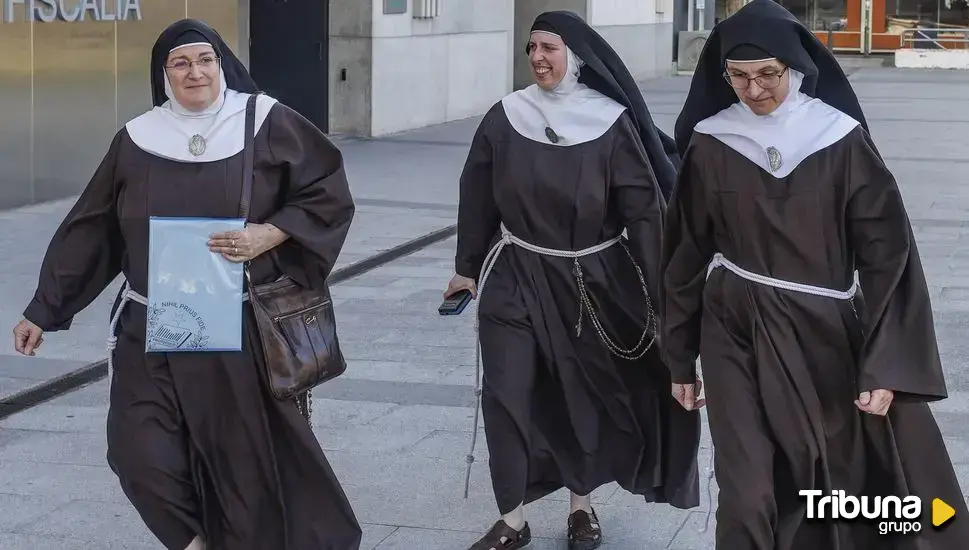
(547, 55)
(761, 85)
(193, 72)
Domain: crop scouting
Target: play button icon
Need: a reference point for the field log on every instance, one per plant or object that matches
(941, 512)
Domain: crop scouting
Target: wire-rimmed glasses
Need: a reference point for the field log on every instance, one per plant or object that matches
(765, 81)
(184, 65)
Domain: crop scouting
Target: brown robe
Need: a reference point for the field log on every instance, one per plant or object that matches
(198, 443)
(561, 410)
(782, 369)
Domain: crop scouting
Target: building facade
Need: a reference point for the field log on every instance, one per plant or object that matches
(70, 76)
(74, 71)
(402, 64)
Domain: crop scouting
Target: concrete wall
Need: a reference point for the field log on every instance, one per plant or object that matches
(351, 50)
(932, 59)
(641, 32)
(405, 73)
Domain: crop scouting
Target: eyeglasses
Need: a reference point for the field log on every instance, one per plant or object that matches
(184, 65)
(765, 81)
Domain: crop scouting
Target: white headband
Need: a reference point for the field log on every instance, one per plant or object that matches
(752, 60)
(191, 44)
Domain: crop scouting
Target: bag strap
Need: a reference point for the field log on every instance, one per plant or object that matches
(248, 157)
(248, 160)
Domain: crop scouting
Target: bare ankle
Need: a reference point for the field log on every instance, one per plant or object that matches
(515, 519)
(580, 502)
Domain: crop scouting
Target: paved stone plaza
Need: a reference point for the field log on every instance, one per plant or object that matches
(396, 427)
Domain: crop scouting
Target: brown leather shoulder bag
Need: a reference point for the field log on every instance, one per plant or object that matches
(296, 325)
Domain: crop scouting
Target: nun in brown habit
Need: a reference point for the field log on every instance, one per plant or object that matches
(574, 395)
(815, 380)
(202, 449)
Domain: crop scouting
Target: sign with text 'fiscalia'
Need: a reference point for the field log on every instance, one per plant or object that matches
(48, 11)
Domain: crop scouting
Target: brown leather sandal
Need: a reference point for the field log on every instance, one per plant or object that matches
(584, 531)
(513, 539)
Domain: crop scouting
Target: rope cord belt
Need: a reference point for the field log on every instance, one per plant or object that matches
(585, 304)
(128, 295)
(719, 260)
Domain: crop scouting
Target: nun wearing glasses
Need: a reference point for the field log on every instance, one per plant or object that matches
(815, 380)
(559, 227)
(204, 452)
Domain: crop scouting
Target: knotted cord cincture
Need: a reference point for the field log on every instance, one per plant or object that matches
(585, 304)
(720, 261)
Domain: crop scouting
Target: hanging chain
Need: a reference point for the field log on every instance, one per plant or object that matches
(309, 407)
(304, 404)
(585, 304)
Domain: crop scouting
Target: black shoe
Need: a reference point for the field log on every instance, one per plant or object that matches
(584, 531)
(513, 539)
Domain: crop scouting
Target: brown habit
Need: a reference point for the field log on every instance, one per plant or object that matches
(782, 369)
(560, 410)
(197, 442)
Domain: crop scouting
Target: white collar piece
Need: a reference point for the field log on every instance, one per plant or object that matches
(570, 114)
(172, 132)
(780, 141)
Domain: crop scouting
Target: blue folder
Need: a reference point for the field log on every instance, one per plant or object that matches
(194, 294)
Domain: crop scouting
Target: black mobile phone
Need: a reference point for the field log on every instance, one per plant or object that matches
(455, 303)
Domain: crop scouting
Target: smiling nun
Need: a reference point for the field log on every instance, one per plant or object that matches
(574, 394)
(202, 450)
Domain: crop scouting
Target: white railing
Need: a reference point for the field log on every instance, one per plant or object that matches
(936, 39)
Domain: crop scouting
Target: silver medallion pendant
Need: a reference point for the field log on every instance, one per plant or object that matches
(551, 135)
(774, 158)
(196, 145)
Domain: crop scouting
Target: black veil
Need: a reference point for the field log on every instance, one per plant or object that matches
(768, 26)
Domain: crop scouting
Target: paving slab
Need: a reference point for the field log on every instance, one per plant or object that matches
(396, 427)
(18, 373)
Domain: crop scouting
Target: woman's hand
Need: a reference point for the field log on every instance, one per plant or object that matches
(27, 337)
(687, 395)
(460, 282)
(875, 402)
(246, 244)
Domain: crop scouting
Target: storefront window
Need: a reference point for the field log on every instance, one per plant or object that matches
(927, 13)
(843, 25)
(819, 15)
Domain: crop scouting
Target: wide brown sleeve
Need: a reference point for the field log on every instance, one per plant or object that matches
(687, 249)
(317, 208)
(637, 199)
(900, 351)
(85, 254)
(478, 217)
